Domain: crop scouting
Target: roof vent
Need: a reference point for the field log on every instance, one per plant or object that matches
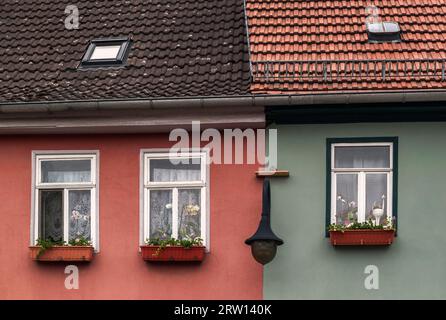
(383, 32)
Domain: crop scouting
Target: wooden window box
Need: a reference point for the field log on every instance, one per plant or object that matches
(277, 173)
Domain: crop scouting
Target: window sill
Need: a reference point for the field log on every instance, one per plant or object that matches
(172, 254)
(362, 237)
(277, 173)
(63, 253)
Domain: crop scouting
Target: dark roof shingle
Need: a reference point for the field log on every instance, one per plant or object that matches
(180, 48)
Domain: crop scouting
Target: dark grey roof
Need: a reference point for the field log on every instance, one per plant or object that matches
(180, 48)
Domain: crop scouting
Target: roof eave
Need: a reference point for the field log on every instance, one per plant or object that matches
(249, 100)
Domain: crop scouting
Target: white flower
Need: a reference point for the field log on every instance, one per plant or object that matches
(192, 210)
(75, 215)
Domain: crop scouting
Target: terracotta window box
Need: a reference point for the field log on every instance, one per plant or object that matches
(172, 253)
(362, 237)
(63, 253)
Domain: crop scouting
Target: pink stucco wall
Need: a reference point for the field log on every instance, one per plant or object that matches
(118, 272)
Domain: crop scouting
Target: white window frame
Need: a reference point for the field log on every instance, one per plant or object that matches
(147, 185)
(362, 174)
(37, 158)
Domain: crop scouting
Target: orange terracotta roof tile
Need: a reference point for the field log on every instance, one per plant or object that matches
(290, 40)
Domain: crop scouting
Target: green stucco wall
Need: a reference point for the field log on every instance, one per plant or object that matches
(308, 267)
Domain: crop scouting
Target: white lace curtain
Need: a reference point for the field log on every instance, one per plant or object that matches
(359, 157)
(362, 157)
(188, 202)
(64, 176)
(66, 171)
(80, 214)
(163, 170)
(160, 174)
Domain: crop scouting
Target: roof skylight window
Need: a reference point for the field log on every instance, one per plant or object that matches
(106, 52)
(383, 32)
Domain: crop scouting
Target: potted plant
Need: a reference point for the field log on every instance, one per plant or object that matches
(349, 212)
(362, 233)
(171, 250)
(47, 250)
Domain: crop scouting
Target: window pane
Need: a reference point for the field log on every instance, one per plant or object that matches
(51, 215)
(66, 171)
(160, 214)
(105, 52)
(189, 211)
(79, 206)
(391, 27)
(163, 170)
(362, 157)
(376, 197)
(346, 198)
(376, 27)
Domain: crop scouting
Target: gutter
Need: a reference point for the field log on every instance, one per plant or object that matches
(256, 100)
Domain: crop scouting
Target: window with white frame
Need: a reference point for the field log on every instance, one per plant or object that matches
(65, 197)
(175, 196)
(361, 182)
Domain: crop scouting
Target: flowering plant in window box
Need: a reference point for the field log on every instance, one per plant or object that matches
(79, 249)
(364, 234)
(171, 250)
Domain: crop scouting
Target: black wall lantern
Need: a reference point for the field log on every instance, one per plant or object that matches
(264, 242)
